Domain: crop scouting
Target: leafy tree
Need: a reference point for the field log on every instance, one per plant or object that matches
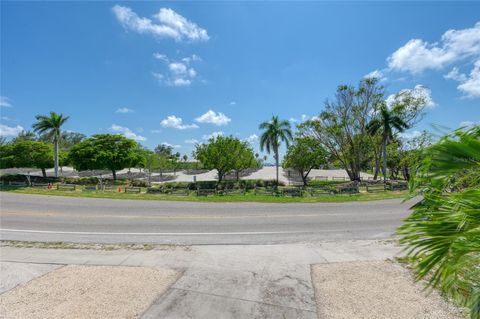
(442, 234)
(224, 154)
(26, 153)
(386, 121)
(165, 150)
(25, 135)
(342, 127)
(105, 151)
(303, 155)
(52, 126)
(276, 132)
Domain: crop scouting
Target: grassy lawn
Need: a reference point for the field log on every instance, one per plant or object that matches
(248, 197)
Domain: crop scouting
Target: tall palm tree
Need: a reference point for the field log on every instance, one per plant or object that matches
(386, 121)
(51, 125)
(276, 132)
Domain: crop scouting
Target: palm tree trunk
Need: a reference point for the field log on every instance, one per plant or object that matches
(384, 159)
(55, 155)
(276, 163)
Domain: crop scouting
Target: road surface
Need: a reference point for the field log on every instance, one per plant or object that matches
(87, 220)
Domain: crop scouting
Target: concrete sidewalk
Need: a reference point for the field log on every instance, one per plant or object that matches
(261, 281)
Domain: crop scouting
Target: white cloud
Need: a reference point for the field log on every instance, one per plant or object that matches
(179, 73)
(377, 74)
(166, 24)
(10, 131)
(171, 145)
(173, 121)
(191, 141)
(418, 55)
(124, 110)
(410, 135)
(471, 85)
(160, 56)
(213, 135)
(418, 92)
(252, 138)
(5, 101)
(213, 117)
(233, 103)
(455, 75)
(125, 131)
(155, 131)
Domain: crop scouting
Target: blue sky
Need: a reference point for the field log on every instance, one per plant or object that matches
(177, 72)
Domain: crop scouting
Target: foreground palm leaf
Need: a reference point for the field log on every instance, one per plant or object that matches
(443, 233)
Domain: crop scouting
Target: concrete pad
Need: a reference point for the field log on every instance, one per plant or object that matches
(374, 290)
(182, 304)
(14, 274)
(88, 292)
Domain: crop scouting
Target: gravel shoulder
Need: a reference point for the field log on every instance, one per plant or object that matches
(88, 292)
(375, 289)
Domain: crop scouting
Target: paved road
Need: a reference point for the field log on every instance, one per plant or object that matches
(51, 218)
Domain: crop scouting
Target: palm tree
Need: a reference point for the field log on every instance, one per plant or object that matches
(51, 125)
(386, 121)
(276, 132)
(442, 235)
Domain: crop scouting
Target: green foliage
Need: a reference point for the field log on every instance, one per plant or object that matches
(26, 153)
(225, 154)
(443, 232)
(303, 155)
(105, 151)
(275, 132)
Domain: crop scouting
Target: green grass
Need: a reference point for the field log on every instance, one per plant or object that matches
(248, 197)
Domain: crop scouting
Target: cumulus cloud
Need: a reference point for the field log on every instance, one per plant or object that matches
(377, 74)
(124, 110)
(171, 145)
(213, 135)
(418, 55)
(173, 121)
(213, 117)
(5, 101)
(418, 92)
(178, 73)
(165, 24)
(410, 135)
(8, 131)
(125, 131)
(252, 138)
(191, 141)
(470, 85)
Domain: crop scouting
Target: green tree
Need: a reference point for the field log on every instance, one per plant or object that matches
(275, 132)
(52, 126)
(385, 122)
(224, 154)
(442, 235)
(105, 151)
(27, 154)
(304, 154)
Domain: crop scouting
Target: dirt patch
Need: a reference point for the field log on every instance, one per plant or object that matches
(88, 292)
(378, 289)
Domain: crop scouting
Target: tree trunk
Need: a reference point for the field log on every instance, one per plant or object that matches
(44, 173)
(55, 155)
(238, 174)
(220, 176)
(304, 178)
(114, 174)
(276, 163)
(384, 159)
(377, 169)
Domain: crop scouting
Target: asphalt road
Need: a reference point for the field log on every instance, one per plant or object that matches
(55, 218)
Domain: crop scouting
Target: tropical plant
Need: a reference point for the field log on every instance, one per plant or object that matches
(51, 125)
(303, 155)
(225, 153)
(105, 151)
(276, 132)
(26, 154)
(385, 122)
(442, 235)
